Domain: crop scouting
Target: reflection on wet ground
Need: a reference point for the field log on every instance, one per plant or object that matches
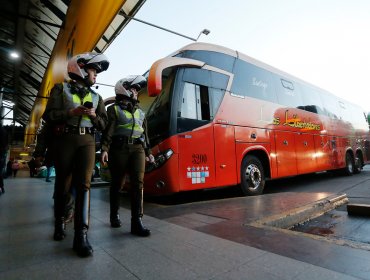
(227, 214)
(338, 224)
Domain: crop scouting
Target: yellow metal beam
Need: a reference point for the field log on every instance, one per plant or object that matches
(84, 25)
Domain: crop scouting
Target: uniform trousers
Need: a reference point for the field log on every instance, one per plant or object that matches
(74, 157)
(127, 158)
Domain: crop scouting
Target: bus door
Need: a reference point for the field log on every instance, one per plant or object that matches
(196, 159)
(286, 158)
(199, 93)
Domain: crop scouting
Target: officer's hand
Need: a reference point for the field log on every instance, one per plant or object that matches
(90, 112)
(38, 162)
(104, 157)
(150, 158)
(78, 111)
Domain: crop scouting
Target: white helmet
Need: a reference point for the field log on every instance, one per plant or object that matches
(78, 64)
(133, 81)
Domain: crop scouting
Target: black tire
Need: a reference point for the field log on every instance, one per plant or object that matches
(349, 170)
(252, 176)
(358, 164)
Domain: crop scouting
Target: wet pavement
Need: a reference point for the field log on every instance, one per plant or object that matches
(344, 248)
(198, 235)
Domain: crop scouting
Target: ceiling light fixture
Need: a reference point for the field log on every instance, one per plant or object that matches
(14, 55)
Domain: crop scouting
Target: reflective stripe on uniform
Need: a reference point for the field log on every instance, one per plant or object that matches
(125, 121)
(72, 100)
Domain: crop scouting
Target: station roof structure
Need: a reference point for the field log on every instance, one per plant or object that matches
(45, 33)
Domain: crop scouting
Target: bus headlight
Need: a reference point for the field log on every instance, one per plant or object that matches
(168, 153)
(159, 160)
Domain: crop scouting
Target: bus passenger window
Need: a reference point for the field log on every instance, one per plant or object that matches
(204, 103)
(331, 107)
(287, 93)
(189, 101)
(252, 81)
(311, 99)
(199, 98)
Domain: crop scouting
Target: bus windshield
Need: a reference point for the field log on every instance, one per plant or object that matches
(189, 99)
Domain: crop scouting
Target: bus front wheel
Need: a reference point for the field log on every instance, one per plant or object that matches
(252, 176)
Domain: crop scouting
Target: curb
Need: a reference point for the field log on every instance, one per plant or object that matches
(286, 220)
(290, 218)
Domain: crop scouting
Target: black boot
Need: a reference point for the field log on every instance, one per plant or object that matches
(59, 229)
(137, 227)
(59, 224)
(81, 244)
(115, 222)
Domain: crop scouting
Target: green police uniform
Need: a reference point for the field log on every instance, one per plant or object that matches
(126, 140)
(74, 150)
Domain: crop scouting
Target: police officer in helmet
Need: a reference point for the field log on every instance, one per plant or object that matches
(126, 145)
(76, 111)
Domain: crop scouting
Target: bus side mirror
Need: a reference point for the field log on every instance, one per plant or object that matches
(155, 72)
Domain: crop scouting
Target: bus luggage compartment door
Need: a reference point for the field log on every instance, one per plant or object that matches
(306, 153)
(286, 158)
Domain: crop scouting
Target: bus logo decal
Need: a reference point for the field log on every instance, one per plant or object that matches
(197, 174)
(296, 122)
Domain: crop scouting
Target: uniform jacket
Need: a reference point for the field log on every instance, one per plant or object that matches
(111, 128)
(57, 109)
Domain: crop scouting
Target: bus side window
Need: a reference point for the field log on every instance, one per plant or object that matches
(250, 80)
(195, 103)
(205, 87)
(188, 108)
(311, 99)
(288, 94)
(204, 103)
(331, 107)
(200, 94)
(344, 111)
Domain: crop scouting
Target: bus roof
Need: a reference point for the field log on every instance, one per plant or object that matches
(220, 49)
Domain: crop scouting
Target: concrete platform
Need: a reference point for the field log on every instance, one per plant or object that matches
(218, 248)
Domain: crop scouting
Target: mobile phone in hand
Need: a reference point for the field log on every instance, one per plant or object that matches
(88, 104)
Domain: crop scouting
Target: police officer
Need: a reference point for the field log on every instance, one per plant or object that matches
(76, 111)
(126, 140)
(44, 152)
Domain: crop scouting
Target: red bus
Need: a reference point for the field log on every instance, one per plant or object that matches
(221, 118)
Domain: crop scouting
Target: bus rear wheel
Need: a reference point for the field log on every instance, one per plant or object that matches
(358, 164)
(349, 170)
(252, 176)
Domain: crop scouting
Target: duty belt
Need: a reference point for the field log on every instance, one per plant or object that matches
(126, 140)
(79, 130)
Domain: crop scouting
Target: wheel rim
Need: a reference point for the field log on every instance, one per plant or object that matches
(253, 175)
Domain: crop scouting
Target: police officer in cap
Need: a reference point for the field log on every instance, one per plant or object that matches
(76, 111)
(126, 145)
